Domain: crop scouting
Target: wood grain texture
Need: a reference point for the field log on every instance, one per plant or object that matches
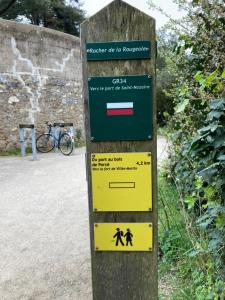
(121, 275)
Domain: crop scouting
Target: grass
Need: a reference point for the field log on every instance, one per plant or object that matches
(79, 144)
(14, 152)
(162, 130)
(17, 151)
(173, 244)
(183, 276)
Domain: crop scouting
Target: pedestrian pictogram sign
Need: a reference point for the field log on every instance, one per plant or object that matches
(120, 108)
(122, 181)
(123, 236)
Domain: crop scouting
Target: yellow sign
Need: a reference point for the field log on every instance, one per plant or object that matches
(122, 181)
(123, 236)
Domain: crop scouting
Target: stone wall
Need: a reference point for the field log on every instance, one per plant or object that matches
(40, 79)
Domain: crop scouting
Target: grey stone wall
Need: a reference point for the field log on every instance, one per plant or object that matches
(40, 79)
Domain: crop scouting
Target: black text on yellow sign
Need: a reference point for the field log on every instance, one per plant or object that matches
(123, 236)
(122, 181)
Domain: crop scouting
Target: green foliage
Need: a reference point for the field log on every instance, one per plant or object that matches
(198, 166)
(56, 14)
(197, 154)
(15, 152)
(165, 72)
(79, 142)
(201, 171)
(184, 249)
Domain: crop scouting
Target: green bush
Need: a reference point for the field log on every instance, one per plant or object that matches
(183, 248)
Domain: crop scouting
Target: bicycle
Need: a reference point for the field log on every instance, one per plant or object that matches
(46, 142)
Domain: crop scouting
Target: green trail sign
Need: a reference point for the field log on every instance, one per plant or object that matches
(118, 50)
(120, 107)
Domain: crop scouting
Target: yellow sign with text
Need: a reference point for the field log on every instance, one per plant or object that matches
(123, 236)
(122, 181)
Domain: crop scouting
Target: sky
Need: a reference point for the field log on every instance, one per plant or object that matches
(93, 6)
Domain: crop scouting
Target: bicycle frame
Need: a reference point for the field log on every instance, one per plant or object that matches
(56, 133)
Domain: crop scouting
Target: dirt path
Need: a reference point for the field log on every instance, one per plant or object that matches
(162, 148)
(44, 229)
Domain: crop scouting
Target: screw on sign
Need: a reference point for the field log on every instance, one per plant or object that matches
(122, 181)
(123, 237)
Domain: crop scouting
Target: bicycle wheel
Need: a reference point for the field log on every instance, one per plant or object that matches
(66, 144)
(45, 143)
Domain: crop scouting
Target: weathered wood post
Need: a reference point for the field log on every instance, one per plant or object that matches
(118, 58)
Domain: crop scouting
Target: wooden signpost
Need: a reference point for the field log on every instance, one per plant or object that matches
(118, 58)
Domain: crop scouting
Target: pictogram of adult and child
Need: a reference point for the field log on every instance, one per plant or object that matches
(119, 237)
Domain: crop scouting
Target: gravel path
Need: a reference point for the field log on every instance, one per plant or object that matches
(44, 235)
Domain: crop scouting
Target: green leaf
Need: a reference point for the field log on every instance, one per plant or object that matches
(219, 141)
(213, 128)
(204, 129)
(198, 76)
(211, 77)
(183, 90)
(197, 140)
(218, 104)
(190, 200)
(209, 139)
(209, 191)
(215, 114)
(220, 221)
(206, 223)
(214, 243)
(181, 106)
(198, 182)
(194, 253)
(205, 206)
(223, 74)
(210, 171)
(221, 157)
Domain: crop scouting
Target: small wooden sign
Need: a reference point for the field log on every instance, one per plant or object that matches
(122, 181)
(123, 236)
